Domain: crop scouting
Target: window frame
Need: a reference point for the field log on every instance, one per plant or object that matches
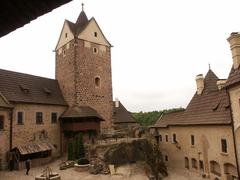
(95, 50)
(174, 138)
(192, 140)
(17, 117)
(166, 158)
(224, 146)
(55, 120)
(97, 81)
(2, 122)
(166, 138)
(160, 138)
(39, 121)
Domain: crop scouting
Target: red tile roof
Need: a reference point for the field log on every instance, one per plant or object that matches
(211, 107)
(233, 78)
(81, 112)
(25, 88)
(80, 24)
(121, 114)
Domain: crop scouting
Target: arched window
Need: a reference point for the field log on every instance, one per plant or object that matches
(215, 168)
(194, 163)
(186, 163)
(97, 82)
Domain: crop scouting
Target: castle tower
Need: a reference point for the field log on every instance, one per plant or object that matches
(83, 66)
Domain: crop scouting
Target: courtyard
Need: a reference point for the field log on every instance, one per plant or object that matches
(131, 172)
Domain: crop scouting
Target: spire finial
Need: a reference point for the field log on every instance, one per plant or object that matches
(209, 66)
(82, 6)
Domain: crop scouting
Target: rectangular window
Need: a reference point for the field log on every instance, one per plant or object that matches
(174, 138)
(20, 117)
(166, 158)
(160, 137)
(224, 145)
(192, 140)
(39, 117)
(166, 137)
(1, 122)
(54, 117)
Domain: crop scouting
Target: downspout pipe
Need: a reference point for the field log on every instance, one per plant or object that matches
(11, 129)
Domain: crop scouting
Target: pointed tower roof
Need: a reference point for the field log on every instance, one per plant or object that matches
(82, 21)
(210, 82)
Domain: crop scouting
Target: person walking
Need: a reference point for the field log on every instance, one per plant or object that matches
(27, 164)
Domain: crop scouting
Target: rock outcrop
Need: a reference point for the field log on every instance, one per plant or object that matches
(137, 150)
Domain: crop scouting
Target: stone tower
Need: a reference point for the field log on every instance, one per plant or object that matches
(83, 66)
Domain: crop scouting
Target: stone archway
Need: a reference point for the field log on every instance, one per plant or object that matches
(230, 171)
(215, 168)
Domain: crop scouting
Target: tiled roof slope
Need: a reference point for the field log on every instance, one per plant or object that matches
(80, 112)
(19, 87)
(80, 24)
(121, 114)
(233, 78)
(211, 107)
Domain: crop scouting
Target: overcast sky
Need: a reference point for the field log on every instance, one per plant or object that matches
(159, 46)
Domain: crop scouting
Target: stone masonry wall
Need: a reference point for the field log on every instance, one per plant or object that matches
(90, 65)
(30, 131)
(65, 71)
(77, 66)
(4, 138)
(207, 147)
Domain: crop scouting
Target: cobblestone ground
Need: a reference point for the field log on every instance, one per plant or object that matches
(182, 174)
(128, 172)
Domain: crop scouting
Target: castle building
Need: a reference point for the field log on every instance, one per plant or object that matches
(38, 116)
(204, 138)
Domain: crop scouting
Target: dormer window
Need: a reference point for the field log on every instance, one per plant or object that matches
(24, 88)
(95, 34)
(47, 91)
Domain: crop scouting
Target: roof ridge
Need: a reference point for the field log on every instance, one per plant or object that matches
(11, 71)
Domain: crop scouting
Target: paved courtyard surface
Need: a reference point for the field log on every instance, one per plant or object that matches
(128, 172)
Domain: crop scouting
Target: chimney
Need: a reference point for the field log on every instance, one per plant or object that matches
(220, 83)
(234, 41)
(200, 83)
(116, 102)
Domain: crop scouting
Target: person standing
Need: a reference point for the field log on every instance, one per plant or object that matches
(27, 164)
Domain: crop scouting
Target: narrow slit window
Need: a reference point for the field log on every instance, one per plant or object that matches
(1, 122)
(224, 145)
(192, 140)
(95, 34)
(97, 81)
